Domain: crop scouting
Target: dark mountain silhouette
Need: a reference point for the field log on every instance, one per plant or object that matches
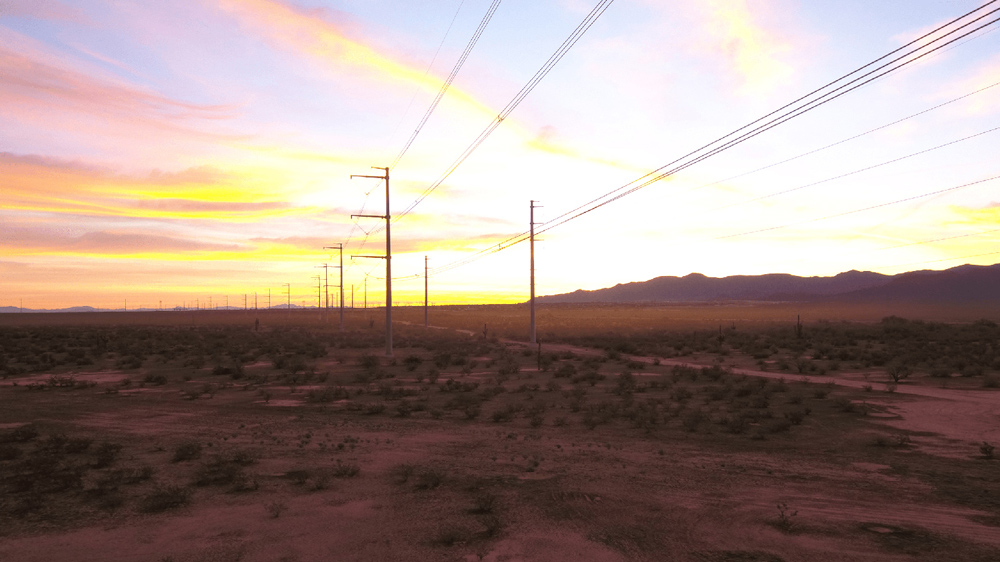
(963, 284)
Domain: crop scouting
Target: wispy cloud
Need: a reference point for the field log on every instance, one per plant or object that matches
(314, 33)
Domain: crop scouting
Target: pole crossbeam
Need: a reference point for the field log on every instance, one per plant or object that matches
(387, 257)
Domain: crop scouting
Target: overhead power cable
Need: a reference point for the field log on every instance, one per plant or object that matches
(851, 138)
(858, 171)
(445, 85)
(781, 115)
(542, 72)
(980, 233)
(447, 82)
(789, 111)
(880, 205)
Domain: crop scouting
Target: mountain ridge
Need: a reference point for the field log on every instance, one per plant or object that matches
(961, 284)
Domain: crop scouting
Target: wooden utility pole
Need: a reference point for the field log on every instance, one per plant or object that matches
(532, 221)
(425, 292)
(340, 248)
(319, 293)
(387, 257)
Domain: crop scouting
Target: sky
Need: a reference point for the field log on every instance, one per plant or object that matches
(173, 153)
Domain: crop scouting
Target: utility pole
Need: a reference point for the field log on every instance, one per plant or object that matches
(269, 299)
(532, 220)
(227, 302)
(209, 302)
(425, 292)
(244, 302)
(319, 293)
(340, 247)
(288, 291)
(326, 283)
(387, 257)
(255, 300)
(352, 296)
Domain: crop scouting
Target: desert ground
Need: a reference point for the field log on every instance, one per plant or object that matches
(716, 433)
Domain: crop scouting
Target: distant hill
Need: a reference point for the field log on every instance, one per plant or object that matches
(963, 284)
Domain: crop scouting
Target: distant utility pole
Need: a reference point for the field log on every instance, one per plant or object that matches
(326, 283)
(269, 299)
(209, 302)
(387, 257)
(288, 291)
(319, 293)
(126, 305)
(340, 248)
(425, 292)
(227, 302)
(352, 296)
(244, 302)
(532, 220)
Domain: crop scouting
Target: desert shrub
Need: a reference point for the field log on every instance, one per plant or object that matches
(778, 425)
(9, 452)
(401, 473)
(450, 536)
(987, 450)
(21, 434)
(566, 370)
(796, 417)
(374, 408)
(164, 498)
(411, 362)
(275, 508)
(369, 362)
(429, 479)
(189, 450)
(484, 503)
(345, 470)
(844, 404)
(298, 477)
(106, 454)
(692, 420)
(328, 394)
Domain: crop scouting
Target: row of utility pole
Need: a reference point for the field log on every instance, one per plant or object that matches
(388, 266)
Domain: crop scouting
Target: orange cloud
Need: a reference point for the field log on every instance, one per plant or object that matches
(308, 32)
(32, 183)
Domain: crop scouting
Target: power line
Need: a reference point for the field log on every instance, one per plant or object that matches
(904, 200)
(447, 83)
(427, 114)
(687, 160)
(542, 72)
(659, 174)
(940, 239)
(848, 139)
(858, 171)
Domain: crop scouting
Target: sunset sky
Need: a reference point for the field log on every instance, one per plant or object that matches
(173, 151)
